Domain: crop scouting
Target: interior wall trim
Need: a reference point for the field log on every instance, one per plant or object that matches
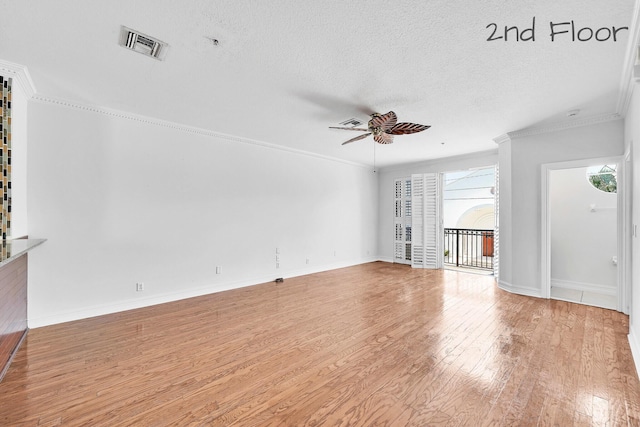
(184, 128)
(135, 303)
(582, 286)
(558, 126)
(564, 125)
(530, 292)
(502, 139)
(440, 160)
(628, 79)
(634, 343)
(20, 75)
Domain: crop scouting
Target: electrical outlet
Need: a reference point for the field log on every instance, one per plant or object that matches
(139, 287)
(218, 270)
(307, 260)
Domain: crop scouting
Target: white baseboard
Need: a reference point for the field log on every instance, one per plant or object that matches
(99, 310)
(530, 292)
(581, 286)
(634, 343)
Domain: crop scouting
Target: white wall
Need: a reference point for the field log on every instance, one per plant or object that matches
(521, 160)
(387, 190)
(632, 137)
(583, 241)
(123, 201)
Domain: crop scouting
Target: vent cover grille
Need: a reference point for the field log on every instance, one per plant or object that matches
(141, 43)
(352, 122)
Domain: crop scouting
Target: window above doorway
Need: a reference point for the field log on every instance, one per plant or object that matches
(603, 178)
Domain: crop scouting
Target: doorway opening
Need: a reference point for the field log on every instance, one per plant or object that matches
(584, 246)
(583, 239)
(469, 216)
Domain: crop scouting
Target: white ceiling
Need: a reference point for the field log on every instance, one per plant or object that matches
(286, 70)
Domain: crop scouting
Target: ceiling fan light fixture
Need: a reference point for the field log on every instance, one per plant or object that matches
(383, 127)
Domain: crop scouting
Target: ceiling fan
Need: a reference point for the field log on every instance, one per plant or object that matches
(383, 127)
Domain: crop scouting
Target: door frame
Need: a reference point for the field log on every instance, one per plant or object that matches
(622, 226)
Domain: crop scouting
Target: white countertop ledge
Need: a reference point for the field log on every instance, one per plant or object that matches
(14, 249)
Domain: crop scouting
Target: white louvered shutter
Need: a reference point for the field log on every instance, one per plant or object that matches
(433, 232)
(402, 221)
(417, 220)
(428, 234)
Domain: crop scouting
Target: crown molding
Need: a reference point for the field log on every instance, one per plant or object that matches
(184, 128)
(21, 75)
(502, 139)
(558, 126)
(630, 68)
(440, 160)
(630, 75)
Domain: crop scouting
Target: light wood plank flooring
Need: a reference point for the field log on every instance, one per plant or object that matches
(376, 344)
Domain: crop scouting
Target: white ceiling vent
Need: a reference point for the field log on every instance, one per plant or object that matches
(141, 43)
(353, 122)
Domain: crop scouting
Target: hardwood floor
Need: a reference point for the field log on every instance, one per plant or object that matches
(376, 344)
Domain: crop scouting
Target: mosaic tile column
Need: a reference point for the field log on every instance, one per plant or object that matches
(5, 157)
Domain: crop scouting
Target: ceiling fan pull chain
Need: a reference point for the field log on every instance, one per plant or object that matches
(374, 157)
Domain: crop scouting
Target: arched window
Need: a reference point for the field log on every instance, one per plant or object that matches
(603, 178)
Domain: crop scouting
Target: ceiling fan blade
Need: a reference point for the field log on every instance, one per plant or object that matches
(383, 138)
(407, 128)
(346, 128)
(357, 138)
(384, 121)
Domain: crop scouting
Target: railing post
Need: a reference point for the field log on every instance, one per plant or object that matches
(474, 248)
(457, 247)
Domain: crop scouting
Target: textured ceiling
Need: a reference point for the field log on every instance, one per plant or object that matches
(284, 71)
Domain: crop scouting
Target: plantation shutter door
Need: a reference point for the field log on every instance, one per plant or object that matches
(496, 227)
(402, 221)
(417, 220)
(398, 223)
(433, 232)
(428, 234)
(408, 219)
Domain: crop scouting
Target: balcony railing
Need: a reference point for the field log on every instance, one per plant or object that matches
(468, 248)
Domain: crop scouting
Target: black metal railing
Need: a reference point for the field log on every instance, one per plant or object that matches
(468, 248)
